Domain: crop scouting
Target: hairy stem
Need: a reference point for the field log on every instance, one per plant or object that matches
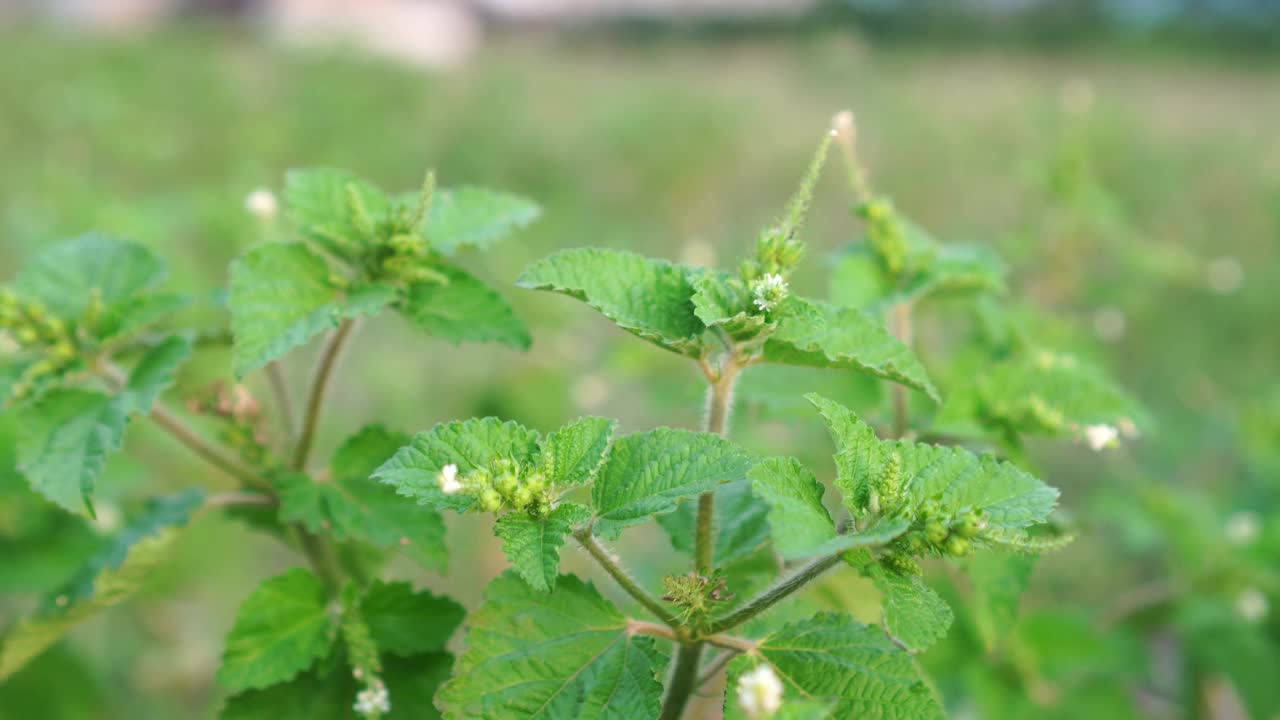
(719, 404)
(683, 680)
(329, 355)
(283, 398)
(902, 329)
(620, 576)
(775, 593)
(212, 454)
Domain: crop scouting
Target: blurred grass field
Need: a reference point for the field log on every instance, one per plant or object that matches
(1116, 183)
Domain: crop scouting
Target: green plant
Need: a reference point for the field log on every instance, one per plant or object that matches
(335, 637)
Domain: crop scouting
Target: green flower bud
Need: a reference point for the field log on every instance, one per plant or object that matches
(522, 498)
(936, 532)
(27, 335)
(970, 525)
(506, 484)
(490, 500)
(536, 484)
(958, 546)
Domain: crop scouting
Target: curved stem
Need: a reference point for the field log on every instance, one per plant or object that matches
(215, 456)
(319, 385)
(683, 681)
(774, 593)
(716, 667)
(624, 580)
(283, 398)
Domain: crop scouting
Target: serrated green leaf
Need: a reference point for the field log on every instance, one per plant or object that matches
(281, 296)
(63, 443)
(1011, 498)
(648, 473)
(475, 217)
(740, 525)
(281, 630)
(913, 613)
(414, 471)
(573, 454)
(820, 335)
(405, 622)
(799, 520)
(720, 300)
(352, 506)
(998, 580)
(111, 576)
(652, 299)
(134, 313)
(1050, 394)
(832, 657)
(563, 655)
(317, 202)
(533, 545)
(67, 275)
(154, 373)
(464, 310)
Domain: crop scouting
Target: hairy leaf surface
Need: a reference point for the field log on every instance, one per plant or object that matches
(533, 544)
(280, 631)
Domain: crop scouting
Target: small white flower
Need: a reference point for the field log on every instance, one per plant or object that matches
(1252, 605)
(374, 700)
(760, 693)
(1243, 528)
(769, 291)
(449, 483)
(1225, 275)
(261, 203)
(1101, 436)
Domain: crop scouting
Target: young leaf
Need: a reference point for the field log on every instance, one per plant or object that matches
(464, 310)
(740, 524)
(67, 276)
(404, 622)
(475, 217)
(648, 298)
(114, 573)
(138, 311)
(319, 203)
(553, 656)
(154, 374)
(719, 301)
(470, 444)
(1051, 394)
(913, 613)
(573, 454)
(998, 580)
(819, 335)
(533, 544)
(280, 631)
(281, 297)
(648, 473)
(63, 443)
(833, 657)
(799, 520)
(353, 506)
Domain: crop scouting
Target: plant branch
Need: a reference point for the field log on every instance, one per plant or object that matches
(716, 667)
(212, 454)
(684, 678)
(719, 405)
(775, 593)
(283, 398)
(620, 576)
(325, 365)
(239, 499)
(902, 329)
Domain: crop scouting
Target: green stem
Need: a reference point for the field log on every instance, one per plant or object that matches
(719, 404)
(283, 398)
(902, 328)
(328, 360)
(620, 576)
(683, 681)
(775, 593)
(239, 499)
(184, 434)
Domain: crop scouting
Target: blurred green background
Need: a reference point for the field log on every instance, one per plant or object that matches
(1134, 191)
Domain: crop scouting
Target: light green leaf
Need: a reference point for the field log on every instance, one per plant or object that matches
(648, 473)
(740, 525)
(317, 202)
(405, 622)
(66, 276)
(475, 217)
(154, 374)
(832, 657)
(563, 655)
(280, 631)
(800, 521)
(114, 573)
(1051, 394)
(281, 297)
(913, 613)
(63, 443)
(136, 312)
(998, 580)
(533, 544)
(573, 454)
(414, 471)
(652, 299)
(820, 335)
(464, 310)
(360, 455)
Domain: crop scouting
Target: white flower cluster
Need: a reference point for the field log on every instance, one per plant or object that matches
(449, 483)
(769, 291)
(373, 701)
(1100, 437)
(760, 693)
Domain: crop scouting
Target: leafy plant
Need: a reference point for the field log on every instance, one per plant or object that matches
(90, 345)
